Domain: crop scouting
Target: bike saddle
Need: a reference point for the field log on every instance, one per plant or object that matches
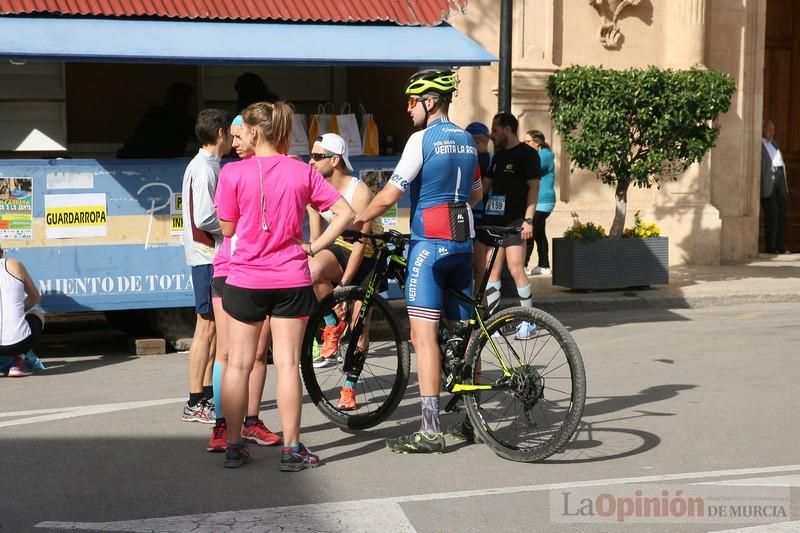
(498, 233)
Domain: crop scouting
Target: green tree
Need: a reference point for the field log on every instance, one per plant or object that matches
(637, 126)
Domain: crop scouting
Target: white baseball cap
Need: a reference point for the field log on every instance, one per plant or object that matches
(335, 145)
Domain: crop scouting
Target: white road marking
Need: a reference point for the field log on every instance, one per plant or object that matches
(378, 514)
(10, 414)
(781, 527)
(48, 415)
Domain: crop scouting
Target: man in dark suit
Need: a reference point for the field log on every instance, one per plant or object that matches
(774, 190)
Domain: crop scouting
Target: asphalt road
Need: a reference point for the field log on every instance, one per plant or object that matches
(675, 398)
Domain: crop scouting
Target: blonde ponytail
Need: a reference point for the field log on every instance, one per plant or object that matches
(273, 120)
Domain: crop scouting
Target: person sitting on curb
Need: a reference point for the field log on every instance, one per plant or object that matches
(21, 318)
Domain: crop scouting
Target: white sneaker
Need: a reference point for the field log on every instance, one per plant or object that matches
(324, 362)
(525, 331)
(18, 369)
(538, 271)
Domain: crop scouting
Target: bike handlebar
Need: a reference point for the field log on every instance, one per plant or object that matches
(389, 237)
(399, 239)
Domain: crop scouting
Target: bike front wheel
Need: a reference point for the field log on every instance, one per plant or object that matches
(536, 384)
(383, 379)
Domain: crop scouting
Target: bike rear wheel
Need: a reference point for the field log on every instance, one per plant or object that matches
(537, 401)
(384, 378)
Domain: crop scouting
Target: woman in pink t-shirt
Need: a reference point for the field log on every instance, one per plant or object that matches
(254, 429)
(263, 202)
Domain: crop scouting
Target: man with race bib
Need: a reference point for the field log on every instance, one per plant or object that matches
(513, 184)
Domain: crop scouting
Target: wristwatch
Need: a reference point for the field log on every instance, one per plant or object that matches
(529, 220)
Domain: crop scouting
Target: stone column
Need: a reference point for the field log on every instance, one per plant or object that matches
(684, 33)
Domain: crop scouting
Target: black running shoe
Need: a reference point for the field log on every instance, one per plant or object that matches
(462, 431)
(417, 442)
(292, 461)
(236, 455)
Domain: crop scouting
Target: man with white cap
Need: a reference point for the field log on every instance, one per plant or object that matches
(342, 262)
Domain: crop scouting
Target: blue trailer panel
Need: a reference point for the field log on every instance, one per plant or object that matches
(139, 262)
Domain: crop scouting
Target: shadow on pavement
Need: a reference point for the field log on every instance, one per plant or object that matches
(69, 340)
(615, 404)
(575, 320)
(593, 444)
(596, 441)
(113, 479)
(56, 367)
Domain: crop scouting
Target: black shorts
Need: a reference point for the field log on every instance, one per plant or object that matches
(23, 346)
(254, 305)
(218, 286)
(342, 256)
(510, 240)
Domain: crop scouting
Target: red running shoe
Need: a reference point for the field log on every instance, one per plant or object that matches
(347, 399)
(330, 339)
(219, 437)
(259, 433)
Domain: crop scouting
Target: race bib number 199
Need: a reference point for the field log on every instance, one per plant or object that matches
(496, 205)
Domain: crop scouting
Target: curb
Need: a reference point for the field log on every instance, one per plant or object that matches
(631, 301)
(665, 301)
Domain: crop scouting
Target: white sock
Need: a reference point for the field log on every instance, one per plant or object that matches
(525, 295)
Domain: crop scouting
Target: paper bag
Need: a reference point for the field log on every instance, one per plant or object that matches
(298, 144)
(324, 121)
(348, 130)
(370, 141)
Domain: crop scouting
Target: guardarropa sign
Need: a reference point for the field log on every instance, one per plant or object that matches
(75, 215)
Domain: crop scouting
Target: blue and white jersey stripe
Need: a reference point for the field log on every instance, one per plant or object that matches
(438, 166)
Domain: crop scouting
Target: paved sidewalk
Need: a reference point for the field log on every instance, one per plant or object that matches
(765, 279)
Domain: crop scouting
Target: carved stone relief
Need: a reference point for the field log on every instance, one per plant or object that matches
(609, 11)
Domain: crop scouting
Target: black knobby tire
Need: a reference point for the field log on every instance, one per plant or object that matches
(384, 379)
(540, 410)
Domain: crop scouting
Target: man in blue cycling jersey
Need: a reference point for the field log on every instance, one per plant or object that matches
(439, 166)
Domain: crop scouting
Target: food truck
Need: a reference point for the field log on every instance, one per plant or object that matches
(102, 233)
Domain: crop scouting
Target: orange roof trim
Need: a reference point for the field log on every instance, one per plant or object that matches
(401, 12)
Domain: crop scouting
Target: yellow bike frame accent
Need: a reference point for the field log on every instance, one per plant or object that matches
(494, 348)
(470, 388)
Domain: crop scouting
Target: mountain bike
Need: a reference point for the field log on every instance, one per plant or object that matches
(518, 372)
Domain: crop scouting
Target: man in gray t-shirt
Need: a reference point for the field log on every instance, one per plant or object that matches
(201, 237)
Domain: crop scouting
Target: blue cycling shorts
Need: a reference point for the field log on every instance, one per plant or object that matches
(434, 266)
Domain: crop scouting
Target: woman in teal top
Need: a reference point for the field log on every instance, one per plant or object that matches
(545, 203)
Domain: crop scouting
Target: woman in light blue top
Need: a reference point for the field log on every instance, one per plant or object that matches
(545, 203)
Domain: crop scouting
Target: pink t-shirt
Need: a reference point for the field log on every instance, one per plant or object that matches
(222, 259)
(270, 259)
(223, 255)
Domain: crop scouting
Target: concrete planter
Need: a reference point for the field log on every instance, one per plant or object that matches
(610, 263)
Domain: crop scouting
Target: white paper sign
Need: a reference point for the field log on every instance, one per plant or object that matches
(70, 180)
(176, 213)
(75, 215)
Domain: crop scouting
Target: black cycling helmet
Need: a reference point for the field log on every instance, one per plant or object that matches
(441, 82)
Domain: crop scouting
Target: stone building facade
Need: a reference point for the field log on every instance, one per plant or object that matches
(711, 214)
